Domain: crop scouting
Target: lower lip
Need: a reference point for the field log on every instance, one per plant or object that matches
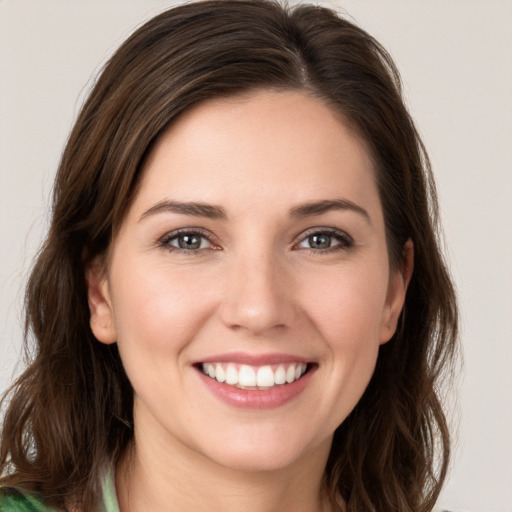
(257, 398)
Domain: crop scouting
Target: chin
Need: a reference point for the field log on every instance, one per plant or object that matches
(262, 453)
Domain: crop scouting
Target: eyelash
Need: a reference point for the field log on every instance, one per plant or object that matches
(345, 241)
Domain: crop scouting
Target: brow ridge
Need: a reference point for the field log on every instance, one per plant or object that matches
(319, 207)
(199, 209)
(195, 209)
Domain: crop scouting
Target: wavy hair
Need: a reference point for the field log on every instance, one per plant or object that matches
(69, 415)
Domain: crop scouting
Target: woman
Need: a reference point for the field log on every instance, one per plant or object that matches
(225, 309)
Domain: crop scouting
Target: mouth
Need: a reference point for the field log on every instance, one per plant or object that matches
(257, 378)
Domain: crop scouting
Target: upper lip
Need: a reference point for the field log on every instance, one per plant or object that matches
(254, 359)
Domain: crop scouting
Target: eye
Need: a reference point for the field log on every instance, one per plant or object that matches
(326, 240)
(186, 241)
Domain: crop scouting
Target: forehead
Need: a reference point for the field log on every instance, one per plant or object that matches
(263, 148)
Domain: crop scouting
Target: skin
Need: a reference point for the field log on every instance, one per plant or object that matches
(256, 285)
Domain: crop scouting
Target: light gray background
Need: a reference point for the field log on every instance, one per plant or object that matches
(456, 61)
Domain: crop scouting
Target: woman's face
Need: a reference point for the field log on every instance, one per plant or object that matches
(249, 286)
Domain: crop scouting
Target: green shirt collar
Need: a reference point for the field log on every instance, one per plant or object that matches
(17, 501)
(110, 503)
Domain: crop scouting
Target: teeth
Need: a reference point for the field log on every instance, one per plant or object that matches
(210, 370)
(280, 375)
(245, 376)
(220, 374)
(290, 374)
(265, 377)
(231, 375)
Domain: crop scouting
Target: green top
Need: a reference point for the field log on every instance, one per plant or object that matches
(14, 500)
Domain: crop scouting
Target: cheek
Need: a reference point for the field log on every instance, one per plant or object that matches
(347, 306)
(158, 310)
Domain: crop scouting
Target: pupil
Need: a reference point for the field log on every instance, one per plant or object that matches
(320, 241)
(189, 242)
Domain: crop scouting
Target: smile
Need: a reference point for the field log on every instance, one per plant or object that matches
(243, 376)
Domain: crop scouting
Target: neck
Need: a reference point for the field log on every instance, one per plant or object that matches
(171, 477)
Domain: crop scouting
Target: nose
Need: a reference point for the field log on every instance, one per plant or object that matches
(258, 296)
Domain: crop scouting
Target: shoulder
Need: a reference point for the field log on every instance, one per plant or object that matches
(13, 500)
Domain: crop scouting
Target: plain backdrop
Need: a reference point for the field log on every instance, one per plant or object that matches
(456, 62)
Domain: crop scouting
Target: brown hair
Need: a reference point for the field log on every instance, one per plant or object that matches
(69, 415)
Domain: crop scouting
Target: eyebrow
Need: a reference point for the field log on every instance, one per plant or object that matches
(209, 211)
(186, 208)
(324, 206)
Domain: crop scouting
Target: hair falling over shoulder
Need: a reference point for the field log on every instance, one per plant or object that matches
(69, 416)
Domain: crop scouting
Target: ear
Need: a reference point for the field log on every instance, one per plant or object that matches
(398, 282)
(100, 304)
